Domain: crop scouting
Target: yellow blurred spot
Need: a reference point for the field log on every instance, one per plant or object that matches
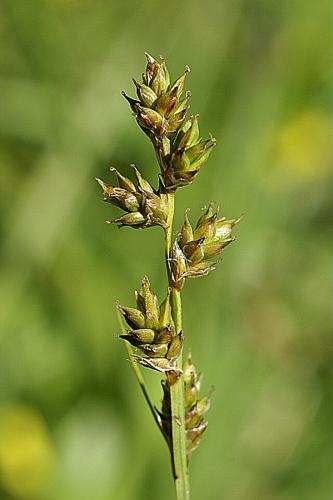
(26, 454)
(304, 144)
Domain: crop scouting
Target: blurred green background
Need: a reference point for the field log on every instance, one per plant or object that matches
(73, 424)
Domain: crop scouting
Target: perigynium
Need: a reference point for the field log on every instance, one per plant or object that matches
(154, 329)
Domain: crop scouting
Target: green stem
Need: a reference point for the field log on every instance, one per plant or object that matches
(179, 461)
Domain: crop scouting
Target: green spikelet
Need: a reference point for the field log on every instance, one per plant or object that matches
(152, 329)
(144, 206)
(160, 111)
(196, 252)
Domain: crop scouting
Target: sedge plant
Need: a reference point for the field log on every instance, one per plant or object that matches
(154, 333)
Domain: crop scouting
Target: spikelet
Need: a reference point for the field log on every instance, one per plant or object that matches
(143, 205)
(160, 110)
(195, 408)
(197, 251)
(151, 329)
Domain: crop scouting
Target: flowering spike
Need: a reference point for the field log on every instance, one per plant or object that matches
(156, 329)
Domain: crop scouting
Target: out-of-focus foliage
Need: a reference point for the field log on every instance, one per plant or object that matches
(73, 422)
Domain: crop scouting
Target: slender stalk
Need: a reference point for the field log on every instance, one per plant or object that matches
(178, 415)
(179, 462)
(168, 230)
